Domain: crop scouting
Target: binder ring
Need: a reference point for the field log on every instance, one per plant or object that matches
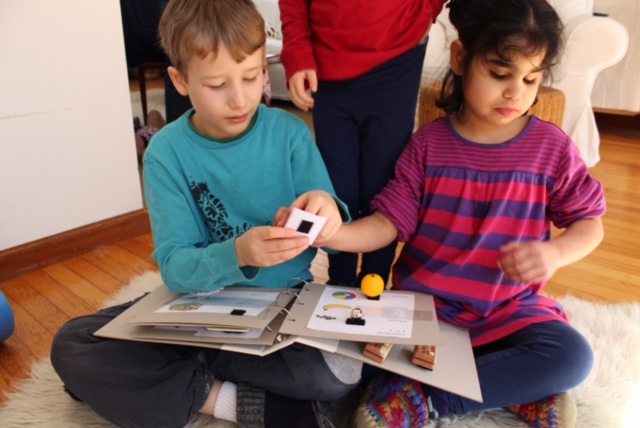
(304, 281)
(282, 308)
(293, 293)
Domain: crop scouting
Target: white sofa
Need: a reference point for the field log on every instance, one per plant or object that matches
(593, 43)
(617, 89)
(271, 14)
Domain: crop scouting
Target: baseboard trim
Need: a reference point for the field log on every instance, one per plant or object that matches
(35, 255)
(622, 121)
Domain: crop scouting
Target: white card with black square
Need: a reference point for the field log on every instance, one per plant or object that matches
(306, 224)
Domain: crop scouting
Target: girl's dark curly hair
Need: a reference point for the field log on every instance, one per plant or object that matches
(501, 27)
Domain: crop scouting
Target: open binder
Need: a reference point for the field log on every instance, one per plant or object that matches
(398, 317)
(260, 321)
(239, 315)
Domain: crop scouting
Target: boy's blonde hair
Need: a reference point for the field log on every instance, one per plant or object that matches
(198, 27)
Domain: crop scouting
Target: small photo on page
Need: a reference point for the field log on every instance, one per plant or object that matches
(306, 224)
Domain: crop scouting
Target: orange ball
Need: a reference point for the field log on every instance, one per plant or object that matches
(372, 285)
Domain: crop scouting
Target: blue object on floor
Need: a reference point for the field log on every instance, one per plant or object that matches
(7, 323)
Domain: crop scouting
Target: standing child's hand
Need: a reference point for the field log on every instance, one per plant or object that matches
(265, 246)
(298, 85)
(528, 262)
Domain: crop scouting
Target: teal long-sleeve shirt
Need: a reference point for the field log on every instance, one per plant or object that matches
(201, 194)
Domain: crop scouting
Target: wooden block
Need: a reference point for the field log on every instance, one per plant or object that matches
(377, 351)
(424, 356)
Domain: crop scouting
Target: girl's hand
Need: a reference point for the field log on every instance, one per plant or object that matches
(536, 261)
(316, 202)
(528, 262)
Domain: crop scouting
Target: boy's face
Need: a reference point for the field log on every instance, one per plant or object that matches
(225, 94)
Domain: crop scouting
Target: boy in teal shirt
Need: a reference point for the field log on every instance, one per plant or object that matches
(214, 180)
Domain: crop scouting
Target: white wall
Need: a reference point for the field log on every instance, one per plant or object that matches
(67, 151)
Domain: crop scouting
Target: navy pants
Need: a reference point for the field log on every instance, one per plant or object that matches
(534, 363)
(361, 127)
(136, 384)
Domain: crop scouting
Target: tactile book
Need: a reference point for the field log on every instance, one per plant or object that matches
(340, 320)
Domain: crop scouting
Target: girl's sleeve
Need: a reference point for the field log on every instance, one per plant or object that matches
(400, 200)
(297, 51)
(187, 258)
(575, 194)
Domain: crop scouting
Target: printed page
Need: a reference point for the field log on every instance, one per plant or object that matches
(391, 316)
(222, 301)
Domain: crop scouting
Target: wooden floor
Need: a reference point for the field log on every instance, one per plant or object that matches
(43, 300)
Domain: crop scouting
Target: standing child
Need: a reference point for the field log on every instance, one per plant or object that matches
(214, 180)
(473, 198)
(362, 60)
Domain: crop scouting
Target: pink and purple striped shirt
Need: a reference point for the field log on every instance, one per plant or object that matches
(455, 202)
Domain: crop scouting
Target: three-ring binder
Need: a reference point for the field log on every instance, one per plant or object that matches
(285, 321)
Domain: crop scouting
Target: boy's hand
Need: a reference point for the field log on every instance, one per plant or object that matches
(316, 202)
(528, 262)
(265, 246)
(298, 85)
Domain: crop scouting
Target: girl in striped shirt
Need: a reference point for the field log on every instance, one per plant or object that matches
(474, 198)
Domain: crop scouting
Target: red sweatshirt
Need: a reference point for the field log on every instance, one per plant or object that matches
(344, 39)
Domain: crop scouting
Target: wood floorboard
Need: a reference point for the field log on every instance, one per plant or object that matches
(146, 240)
(60, 296)
(80, 287)
(32, 336)
(111, 262)
(141, 250)
(92, 273)
(45, 299)
(34, 302)
(13, 363)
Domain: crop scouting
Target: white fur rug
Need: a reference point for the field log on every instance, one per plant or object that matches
(609, 398)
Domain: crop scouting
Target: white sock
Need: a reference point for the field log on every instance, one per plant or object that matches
(225, 406)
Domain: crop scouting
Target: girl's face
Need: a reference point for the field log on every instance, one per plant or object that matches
(225, 94)
(499, 91)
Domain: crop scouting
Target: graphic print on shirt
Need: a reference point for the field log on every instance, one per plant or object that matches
(215, 213)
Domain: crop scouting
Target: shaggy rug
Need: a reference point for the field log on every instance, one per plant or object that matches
(609, 398)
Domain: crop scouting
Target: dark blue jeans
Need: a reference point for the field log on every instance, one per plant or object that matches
(136, 384)
(534, 363)
(361, 127)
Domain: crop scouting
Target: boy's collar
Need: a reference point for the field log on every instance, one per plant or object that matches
(254, 119)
